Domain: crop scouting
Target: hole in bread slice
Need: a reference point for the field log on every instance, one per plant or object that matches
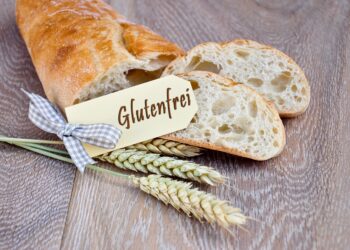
(161, 61)
(208, 66)
(193, 63)
(242, 53)
(197, 63)
(281, 82)
(222, 105)
(138, 76)
(194, 85)
(255, 82)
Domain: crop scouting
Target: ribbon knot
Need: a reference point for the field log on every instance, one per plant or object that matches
(67, 130)
(47, 117)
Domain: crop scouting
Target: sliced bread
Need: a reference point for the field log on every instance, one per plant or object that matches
(269, 71)
(232, 118)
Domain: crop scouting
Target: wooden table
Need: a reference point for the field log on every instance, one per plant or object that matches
(300, 200)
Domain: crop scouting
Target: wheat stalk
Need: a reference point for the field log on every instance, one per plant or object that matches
(142, 161)
(167, 147)
(182, 196)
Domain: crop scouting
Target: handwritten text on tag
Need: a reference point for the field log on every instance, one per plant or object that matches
(142, 112)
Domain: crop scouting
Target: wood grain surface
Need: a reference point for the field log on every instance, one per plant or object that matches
(300, 200)
(34, 191)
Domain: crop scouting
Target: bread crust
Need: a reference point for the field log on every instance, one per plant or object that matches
(228, 82)
(286, 113)
(212, 146)
(73, 43)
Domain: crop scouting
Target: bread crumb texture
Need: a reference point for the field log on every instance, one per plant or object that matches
(234, 117)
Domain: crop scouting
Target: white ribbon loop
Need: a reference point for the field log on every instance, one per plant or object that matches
(47, 117)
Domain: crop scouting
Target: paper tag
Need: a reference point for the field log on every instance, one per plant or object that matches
(142, 112)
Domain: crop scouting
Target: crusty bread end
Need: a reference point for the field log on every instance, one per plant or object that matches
(85, 49)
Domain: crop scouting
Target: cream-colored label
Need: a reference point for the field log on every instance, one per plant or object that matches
(142, 112)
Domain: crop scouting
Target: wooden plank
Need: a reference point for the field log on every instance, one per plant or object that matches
(300, 198)
(34, 190)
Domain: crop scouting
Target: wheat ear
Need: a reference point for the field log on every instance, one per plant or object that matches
(167, 147)
(182, 196)
(142, 161)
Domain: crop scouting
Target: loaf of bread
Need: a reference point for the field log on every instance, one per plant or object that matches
(82, 49)
(231, 118)
(267, 70)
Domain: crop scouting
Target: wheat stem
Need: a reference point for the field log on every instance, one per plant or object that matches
(50, 149)
(68, 160)
(182, 196)
(142, 161)
(23, 140)
(158, 145)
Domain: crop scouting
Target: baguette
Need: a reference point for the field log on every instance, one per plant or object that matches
(232, 118)
(83, 49)
(269, 71)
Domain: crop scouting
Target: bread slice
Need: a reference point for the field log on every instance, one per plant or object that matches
(265, 69)
(232, 118)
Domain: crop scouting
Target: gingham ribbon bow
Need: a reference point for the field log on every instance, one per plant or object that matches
(47, 117)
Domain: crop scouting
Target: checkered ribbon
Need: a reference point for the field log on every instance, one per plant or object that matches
(47, 117)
